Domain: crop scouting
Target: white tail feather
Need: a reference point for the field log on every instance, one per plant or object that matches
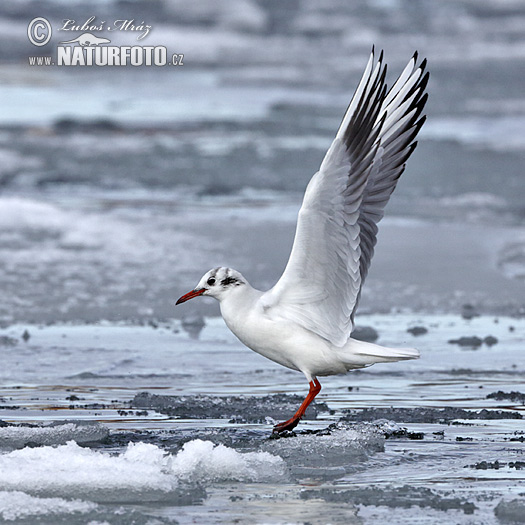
(356, 354)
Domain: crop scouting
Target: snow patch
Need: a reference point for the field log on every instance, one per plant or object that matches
(12, 162)
(474, 200)
(511, 259)
(26, 214)
(142, 468)
(204, 461)
(15, 505)
(505, 133)
(54, 434)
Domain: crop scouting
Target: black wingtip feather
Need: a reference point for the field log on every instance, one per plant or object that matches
(363, 143)
(419, 105)
(424, 81)
(420, 122)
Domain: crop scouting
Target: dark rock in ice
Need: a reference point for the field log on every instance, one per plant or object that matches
(72, 397)
(404, 433)
(518, 465)
(5, 340)
(193, 325)
(425, 415)
(511, 396)
(417, 330)
(487, 465)
(471, 342)
(26, 336)
(461, 438)
(245, 409)
(469, 311)
(365, 333)
(490, 340)
(511, 511)
(393, 497)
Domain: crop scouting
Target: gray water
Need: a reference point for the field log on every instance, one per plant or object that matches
(120, 187)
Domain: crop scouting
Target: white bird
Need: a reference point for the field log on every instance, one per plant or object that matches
(304, 322)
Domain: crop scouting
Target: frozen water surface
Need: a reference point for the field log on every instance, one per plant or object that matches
(119, 188)
(158, 423)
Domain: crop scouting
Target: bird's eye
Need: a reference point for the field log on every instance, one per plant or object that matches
(211, 281)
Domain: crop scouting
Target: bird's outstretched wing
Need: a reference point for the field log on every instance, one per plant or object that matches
(337, 225)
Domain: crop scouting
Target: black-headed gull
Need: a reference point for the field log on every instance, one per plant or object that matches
(304, 322)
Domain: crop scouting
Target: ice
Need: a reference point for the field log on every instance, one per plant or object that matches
(330, 452)
(17, 213)
(474, 200)
(16, 505)
(12, 163)
(427, 415)
(512, 259)
(505, 133)
(244, 15)
(404, 497)
(69, 468)
(240, 408)
(204, 461)
(120, 188)
(140, 468)
(511, 511)
(18, 436)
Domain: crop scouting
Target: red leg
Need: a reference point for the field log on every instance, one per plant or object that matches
(315, 388)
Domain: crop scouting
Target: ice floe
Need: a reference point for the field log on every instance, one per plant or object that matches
(15, 505)
(57, 433)
(141, 468)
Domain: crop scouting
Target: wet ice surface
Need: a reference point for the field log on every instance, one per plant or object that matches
(123, 423)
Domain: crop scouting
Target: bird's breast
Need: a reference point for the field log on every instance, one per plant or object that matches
(262, 334)
(283, 341)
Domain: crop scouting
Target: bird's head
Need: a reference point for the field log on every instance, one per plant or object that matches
(217, 283)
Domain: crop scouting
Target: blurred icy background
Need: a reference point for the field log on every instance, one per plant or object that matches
(120, 187)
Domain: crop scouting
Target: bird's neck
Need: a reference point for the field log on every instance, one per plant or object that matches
(238, 303)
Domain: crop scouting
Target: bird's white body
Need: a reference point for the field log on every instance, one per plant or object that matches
(304, 322)
(293, 346)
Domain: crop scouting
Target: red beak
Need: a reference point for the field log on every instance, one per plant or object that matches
(190, 295)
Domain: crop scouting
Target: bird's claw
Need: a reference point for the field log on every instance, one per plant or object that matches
(286, 425)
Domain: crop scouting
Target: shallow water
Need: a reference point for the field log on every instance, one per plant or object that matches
(197, 447)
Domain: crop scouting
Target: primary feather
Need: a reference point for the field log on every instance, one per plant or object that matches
(337, 225)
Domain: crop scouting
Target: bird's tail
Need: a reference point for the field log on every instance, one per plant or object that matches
(357, 354)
